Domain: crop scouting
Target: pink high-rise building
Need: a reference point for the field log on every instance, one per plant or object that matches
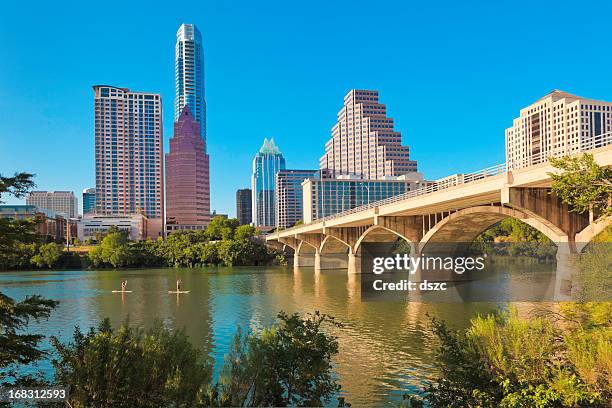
(129, 155)
(187, 177)
(364, 143)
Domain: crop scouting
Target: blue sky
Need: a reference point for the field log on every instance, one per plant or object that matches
(452, 74)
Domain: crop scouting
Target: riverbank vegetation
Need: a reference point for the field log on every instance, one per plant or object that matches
(553, 359)
(224, 242)
(286, 364)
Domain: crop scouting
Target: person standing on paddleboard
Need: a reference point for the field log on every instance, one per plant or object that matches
(123, 285)
(178, 285)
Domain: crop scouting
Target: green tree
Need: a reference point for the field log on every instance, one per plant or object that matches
(18, 345)
(131, 368)
(18, 185)
(48, 255)
(288, 364)
(583, 184)
(245, 232)
(114, 250)
(221, 228)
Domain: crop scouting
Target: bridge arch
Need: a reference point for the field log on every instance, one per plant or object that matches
(305, 247)
(466, 224)
(334, 245)
(379, 233)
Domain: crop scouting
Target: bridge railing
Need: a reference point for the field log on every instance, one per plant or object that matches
(592, 143)
(431, 187)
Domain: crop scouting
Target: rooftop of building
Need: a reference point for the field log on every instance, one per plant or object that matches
(269, 147)
(557, 94)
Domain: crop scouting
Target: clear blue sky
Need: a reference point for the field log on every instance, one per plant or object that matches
(453, 75)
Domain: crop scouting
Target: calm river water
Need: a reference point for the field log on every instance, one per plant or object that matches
(385, 347)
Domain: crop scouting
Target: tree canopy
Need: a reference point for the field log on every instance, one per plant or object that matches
(583, 184)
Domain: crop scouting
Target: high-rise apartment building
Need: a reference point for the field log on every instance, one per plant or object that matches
(89, 201)
(288, 196)
(189, 75)
(187, 178)
(129, 154)
(63, 202)
(244, 211)
(558, 124)
(364, 142)
(267, 162)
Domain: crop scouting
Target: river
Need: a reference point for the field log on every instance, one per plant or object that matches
(386, 348)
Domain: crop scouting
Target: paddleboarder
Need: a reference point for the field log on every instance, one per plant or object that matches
(123, 285)
(178, 285)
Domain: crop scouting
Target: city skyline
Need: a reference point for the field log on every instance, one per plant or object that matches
(479, 96)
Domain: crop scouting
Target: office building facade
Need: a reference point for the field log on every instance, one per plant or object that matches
(364, 143)
(267, 162)
(63, 202)
(189, 75)
(89, 201)
(244, 211)
(187, 178)
(323, 197)
(288, 196)
(129, 154)
(558, 124)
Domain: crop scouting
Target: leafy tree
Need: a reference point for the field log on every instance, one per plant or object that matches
(17, 186)
(245, 232)
(114, 250)
(17, 347)
(221, 228)
(48, 255)
(243, 252)
(288, 364)
(131, 368)
(583, 184)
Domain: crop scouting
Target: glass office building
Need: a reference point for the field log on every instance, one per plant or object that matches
(267, 162)
(289, 208)
(326, 196)
(189, 75)
(89, 201)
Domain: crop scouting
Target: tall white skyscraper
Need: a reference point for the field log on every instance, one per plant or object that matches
(189, 75)
(364, 142)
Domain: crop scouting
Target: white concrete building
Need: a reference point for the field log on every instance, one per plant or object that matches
(90, 226)
(558, 124)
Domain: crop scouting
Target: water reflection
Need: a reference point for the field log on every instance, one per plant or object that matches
(385, 347)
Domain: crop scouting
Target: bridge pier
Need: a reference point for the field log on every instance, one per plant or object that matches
(324, 261)
(566, 268)
(303, 260)
(354, 263)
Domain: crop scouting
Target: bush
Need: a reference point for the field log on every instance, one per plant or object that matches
(131, 368)
(503, 361)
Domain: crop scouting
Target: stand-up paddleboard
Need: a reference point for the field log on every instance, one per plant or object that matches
(178, 291)
(122, 291)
